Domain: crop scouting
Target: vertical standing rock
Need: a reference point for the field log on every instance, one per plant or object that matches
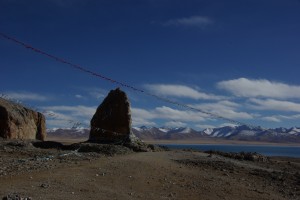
(18, 122)
(112, 121)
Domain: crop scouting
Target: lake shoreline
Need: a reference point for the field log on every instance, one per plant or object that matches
(212, 141)
(266, 150)
(220, 142)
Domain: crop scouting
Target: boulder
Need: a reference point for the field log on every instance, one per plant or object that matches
(111, 124)
(112, 121)
(18, 122)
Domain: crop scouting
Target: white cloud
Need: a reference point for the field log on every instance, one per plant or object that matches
(280, 118)
(57, 115)
(78, 111)
(244, 87)
(57, 123)
(193, 21)
(78, 96)
(180, 91)
(142, 113)
(297, 116)
(175, 124)
(146, 117)
(59, 120)
(271, 119)
(226, 109)
(24, 96)
(67, 116)
(227, 124)
(165, 112)
(142, 122)
(97, 93)
(272, 104)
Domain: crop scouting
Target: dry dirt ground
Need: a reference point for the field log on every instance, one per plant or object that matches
(54, 174)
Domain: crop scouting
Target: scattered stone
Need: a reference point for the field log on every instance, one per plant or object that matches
(171, 195)
(15, 196)
(250, 156)
(106, 149)
(48, 145)
(45, 185)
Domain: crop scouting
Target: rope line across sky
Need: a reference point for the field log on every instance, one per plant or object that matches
(121, 84)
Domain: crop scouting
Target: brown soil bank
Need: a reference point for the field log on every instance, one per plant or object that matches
(53, 174)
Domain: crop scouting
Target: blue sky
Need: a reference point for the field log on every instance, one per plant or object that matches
(238, 59)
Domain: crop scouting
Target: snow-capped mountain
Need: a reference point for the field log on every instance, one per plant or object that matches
(229, 131)
(294, 131)
(79, 132)
(165, 133)
(255, 133)
(245, 133)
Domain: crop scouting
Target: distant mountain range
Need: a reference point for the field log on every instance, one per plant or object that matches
(71, 133)
(242, 133)
(247, 133)
(154, 133)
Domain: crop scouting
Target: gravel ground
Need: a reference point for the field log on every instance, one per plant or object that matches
(116, 172)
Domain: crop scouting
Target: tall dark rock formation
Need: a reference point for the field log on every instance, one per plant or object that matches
(112, 121)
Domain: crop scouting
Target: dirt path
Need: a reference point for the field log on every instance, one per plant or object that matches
(154, 175)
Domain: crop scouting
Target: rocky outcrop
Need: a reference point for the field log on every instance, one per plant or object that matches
(111, 124)
(112, 121)
(18, 122)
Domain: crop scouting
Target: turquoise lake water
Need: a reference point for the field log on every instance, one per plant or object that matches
(290, 151)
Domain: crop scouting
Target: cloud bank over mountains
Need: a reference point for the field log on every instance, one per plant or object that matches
(247, 100)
